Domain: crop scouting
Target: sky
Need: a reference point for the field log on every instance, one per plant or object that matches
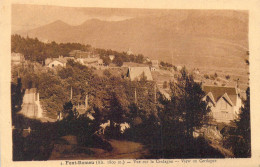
(26, 17)
(31, 16)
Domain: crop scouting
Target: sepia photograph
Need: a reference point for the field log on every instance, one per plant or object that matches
(92, 83)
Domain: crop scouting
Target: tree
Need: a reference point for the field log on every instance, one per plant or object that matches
(239, 138)
(186, 107)
(118, 107)
(118, 61)
(106, 60)
(68, 111)
(139, 58)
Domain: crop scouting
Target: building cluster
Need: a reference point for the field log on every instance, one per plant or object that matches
(224, 102)
(84, 58)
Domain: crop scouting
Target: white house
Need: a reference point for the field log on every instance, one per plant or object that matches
(155, 63)
(225, 102)
(55, 62)
(129, 52)
(17, 58)
(91, 61)
(111, 57)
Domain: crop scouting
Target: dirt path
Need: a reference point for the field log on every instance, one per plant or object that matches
(121, 150)
(126, 150)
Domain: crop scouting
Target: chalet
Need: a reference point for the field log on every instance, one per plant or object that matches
(111, 57)
(55, 62)
(155, 63)
(129, 52)
(179, 68)
(17, 58)
(225, 102)
(153, 68)
(136, 73)
(91, 61)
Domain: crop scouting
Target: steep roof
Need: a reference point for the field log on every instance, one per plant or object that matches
(135, 73)
(229, 93)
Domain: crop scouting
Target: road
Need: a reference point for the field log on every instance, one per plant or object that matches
(121, 150)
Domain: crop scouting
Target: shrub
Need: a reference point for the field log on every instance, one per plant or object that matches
(215, 75)
(206, 76)
(227, 76)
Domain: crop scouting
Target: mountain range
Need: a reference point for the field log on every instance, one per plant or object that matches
(193, 40)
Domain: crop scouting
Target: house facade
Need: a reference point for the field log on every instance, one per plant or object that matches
(225, 102)
(17, 58)
(55, 62)
(111, 57)
(91, 62)
(155, 63)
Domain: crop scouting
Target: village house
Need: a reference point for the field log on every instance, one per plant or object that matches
(153, 69)
(155, 63)
(129, 52)
(17, 58)
(91, 62)
(111, 57)
(136, 73)
(225, 102)
(55, 62)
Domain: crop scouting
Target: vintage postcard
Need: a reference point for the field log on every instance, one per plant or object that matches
(128, 83)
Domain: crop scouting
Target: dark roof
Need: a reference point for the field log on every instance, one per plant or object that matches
(218, 92)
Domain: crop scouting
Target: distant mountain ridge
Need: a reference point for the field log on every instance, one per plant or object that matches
(196, 39)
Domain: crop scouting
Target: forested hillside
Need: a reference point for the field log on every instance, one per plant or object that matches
(35, 50)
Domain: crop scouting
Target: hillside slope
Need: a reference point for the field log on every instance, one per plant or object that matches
(194, 40)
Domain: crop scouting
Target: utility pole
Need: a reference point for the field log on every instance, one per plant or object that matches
(155, 93)
(237, 83)
(86, 102)
(135, 97)
(71, 93)
(18, 73)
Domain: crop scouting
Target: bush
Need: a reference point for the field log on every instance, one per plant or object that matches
(227, 76)
(216, 75)
(107, 73)
(206, 76)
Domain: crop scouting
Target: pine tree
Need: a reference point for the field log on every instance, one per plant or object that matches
(240, 137)
(187, 100)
